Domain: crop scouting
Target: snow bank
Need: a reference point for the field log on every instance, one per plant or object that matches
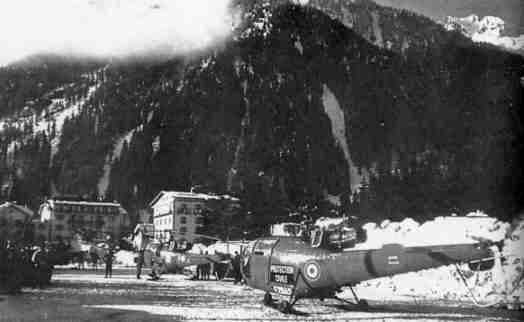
(502, 284)
(326, 221)
(125, 258)
(440, 231)
(198, 249)
(225, 248)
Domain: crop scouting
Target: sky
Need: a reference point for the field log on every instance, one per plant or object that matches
(103, 28)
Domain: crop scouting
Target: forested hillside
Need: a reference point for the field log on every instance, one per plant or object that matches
(293, 113)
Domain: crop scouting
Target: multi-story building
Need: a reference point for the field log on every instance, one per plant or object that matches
(63, 218)
(179, 214)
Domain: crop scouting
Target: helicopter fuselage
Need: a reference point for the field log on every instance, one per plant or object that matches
(289, 266)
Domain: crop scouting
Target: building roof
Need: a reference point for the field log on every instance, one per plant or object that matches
(53, 202)
(20, 208)
(193, 195)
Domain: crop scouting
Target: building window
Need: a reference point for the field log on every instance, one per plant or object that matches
(183, 209)
(197, 210)
(59, 227)
(60, 217)
(183, 220)
(183, 230)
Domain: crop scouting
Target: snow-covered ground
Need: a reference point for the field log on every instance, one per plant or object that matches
(88, 296)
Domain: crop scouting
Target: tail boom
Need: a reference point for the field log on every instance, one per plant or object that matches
(396, 259)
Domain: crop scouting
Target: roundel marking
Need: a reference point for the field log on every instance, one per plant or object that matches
(312, 271)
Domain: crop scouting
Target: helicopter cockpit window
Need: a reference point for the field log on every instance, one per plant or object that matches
(292, 229)
(316, 237)
(248, 250)
(246, 257)
(342, 237)
(264, 246)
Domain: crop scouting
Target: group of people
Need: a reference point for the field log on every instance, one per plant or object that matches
(24, 265)
(203, 271)
(220, 270)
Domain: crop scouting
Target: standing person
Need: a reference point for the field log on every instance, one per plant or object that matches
(140, 241)
(42, 265)
(198, 271)
(205, 271)
(139, 263)
(108, 258)
(236, 267)
(171, 244)
(157, 265)
(206, 268)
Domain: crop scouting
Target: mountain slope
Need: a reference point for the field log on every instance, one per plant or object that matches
(295, 109)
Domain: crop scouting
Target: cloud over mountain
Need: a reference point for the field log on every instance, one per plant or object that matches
(110, 28)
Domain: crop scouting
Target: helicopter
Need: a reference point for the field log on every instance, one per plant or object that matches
(176, 259)
(293, 267)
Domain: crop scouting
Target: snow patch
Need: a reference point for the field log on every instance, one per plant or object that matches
(377, 31)
(261, 25)
(125, 258)
(338, 128)
(103, 182)
(334, 200)
(298, 46)
(301, 2)
(61, 116)
(487, 30)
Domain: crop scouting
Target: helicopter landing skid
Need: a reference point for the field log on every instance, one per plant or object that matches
(283, 305)
(358, 302)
